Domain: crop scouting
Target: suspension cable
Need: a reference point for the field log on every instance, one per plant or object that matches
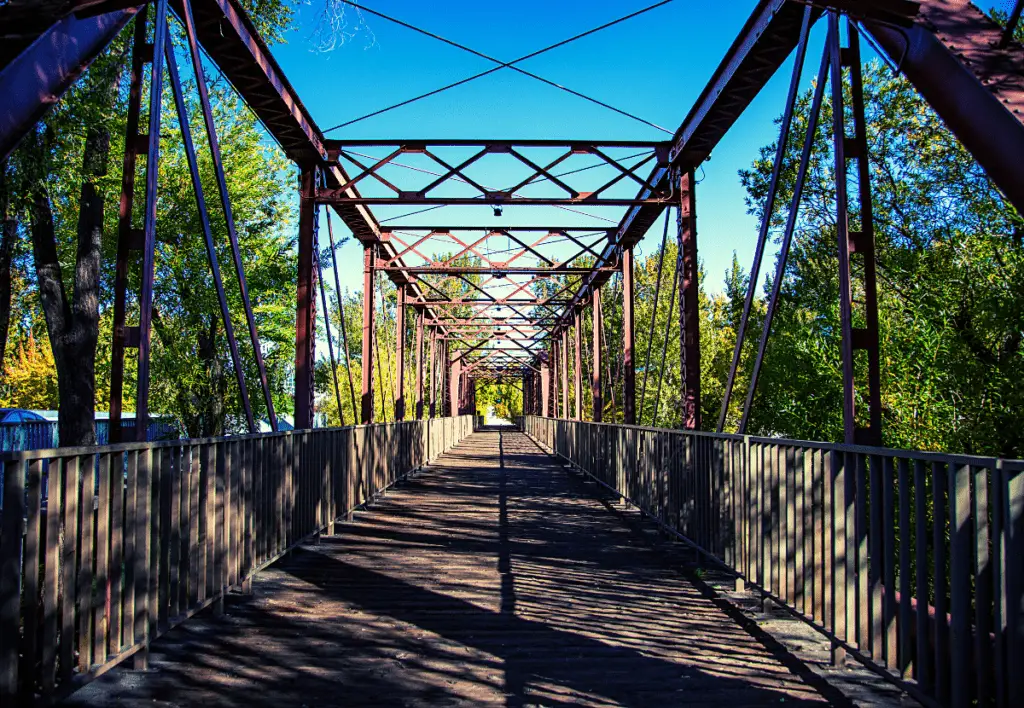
(327, 326)
(504, 65)
(654, 319)
(341, 313)
(664, 346)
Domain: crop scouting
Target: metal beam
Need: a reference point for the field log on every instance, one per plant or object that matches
(628, 366)
(689, 304)
(305, 307)
(366, 402)
(954, 58)
(37, 77)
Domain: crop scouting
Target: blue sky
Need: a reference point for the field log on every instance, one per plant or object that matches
(654, 65)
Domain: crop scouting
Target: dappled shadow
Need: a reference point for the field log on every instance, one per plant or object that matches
(487, 579)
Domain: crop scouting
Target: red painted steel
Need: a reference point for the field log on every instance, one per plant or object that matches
(689, 306)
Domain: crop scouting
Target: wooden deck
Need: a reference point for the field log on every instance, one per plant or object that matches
(494, 577)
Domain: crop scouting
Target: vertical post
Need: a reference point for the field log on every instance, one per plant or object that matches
(556, 375)
(400, 354)
(595, 374)
(420, 316)
(433, 372)
(126, 234)
(578, 372)
(689, 304)
(149, 224)
(564, 349)
(454, 384)
(628, 369)
(366, 401)
(545, 385)
(855, 243)
(305, 308)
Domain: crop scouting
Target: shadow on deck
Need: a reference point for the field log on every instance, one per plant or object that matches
(493, 577)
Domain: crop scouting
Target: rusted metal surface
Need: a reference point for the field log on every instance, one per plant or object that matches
(305, 308)
(39, 61)
(687, 266)
(955, 57)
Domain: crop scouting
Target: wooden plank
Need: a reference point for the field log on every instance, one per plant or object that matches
(195, 549)
(984, 572)
(789, 537)
(840, 556)
(1014, 574)
(822, 554)
(959, 476)
(904, 623)
(172, 533)
(84, 590)
(862, 605)
(167, 540)
(877, 551)
(218, 545)
(184, 472)
(30, 578)
(115, 574)
(51, 576)
(156, 527)
(923, 659)
(144, 553)
(11, 540)
(207, 519)
(940, 582)
(801, 539)
(888, 545)
(69, 564)
(101, 607)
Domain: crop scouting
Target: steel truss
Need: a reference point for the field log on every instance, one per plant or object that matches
(482, 311)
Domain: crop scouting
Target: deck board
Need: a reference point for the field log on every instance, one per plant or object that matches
(490, 578)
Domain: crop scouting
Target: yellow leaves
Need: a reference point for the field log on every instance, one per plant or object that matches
(30, 376)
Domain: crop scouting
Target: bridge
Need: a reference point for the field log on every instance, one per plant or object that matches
(430, 559)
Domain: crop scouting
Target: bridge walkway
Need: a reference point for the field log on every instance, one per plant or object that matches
(493, 577)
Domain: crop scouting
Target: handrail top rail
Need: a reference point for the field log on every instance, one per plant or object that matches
(946, 457)
(29, 455)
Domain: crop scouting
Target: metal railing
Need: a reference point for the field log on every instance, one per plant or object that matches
(911, 562)
(103, 549)
(42, 434)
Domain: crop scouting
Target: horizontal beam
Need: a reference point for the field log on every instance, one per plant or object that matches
(333, 197)
(497, 272)
(496, 145)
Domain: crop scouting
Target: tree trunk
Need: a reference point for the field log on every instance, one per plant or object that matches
(73, 324)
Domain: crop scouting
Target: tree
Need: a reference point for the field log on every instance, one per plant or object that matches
(950, 256)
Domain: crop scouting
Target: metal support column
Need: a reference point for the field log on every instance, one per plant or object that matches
(578, 372)
(545, 386)
(400, 354)
(420, 316)
(564, 349)
(628, 367)
(305, 306)
(433, 372)
(689, 303)
(366, 400)
(855, 245)
(131, 239)
(595, 374)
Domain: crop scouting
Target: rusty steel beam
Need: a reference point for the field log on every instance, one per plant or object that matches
(305, 309)
(628, 340)
(37, 70)
(366, 400)
(595, 374)
(689, 306)
(954, 56)
(400, 354)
